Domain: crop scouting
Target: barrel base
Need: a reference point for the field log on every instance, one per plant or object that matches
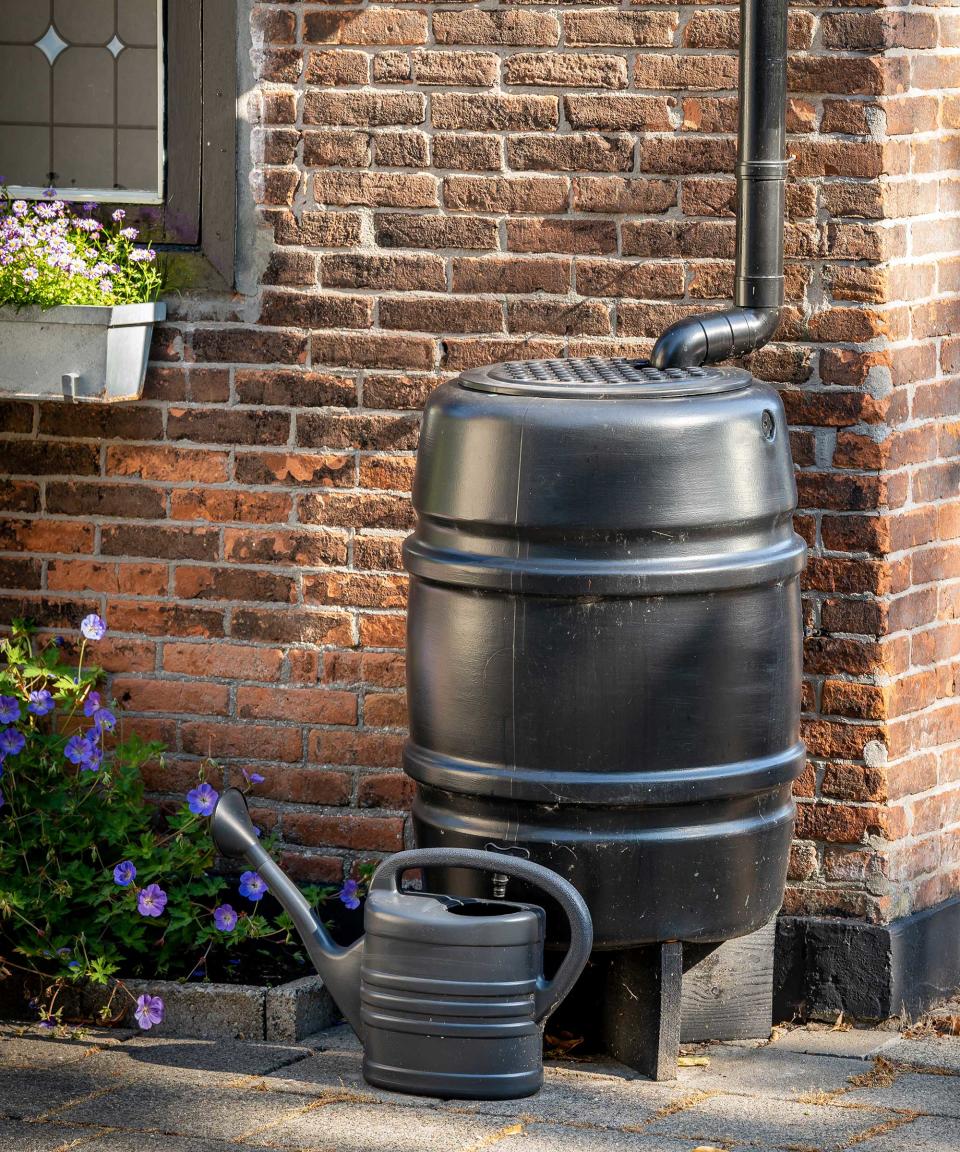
(454, 1085)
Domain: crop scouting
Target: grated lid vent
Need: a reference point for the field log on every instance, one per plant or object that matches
(599, 376)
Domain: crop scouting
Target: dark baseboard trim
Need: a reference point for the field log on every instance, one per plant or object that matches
(867, 971)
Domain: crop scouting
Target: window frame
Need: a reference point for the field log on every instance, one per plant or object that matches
(195, 222)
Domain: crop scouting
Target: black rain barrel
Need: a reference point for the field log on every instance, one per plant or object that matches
(604, 639)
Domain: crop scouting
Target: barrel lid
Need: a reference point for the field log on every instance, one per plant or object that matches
(599, 377)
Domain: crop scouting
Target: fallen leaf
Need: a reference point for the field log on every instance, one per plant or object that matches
(558, 1046)
(693, 1062)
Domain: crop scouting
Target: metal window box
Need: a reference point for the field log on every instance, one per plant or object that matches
(76, 352)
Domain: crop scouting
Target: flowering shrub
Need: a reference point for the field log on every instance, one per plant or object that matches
(93, 880)
(50, 254)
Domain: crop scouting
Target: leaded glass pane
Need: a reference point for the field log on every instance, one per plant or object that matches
(80, 98)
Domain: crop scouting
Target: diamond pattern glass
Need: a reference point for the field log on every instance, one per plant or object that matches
(81, 85)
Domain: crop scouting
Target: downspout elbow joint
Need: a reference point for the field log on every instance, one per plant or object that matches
(714, 336)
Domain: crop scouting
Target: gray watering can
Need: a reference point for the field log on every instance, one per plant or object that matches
(447, 995)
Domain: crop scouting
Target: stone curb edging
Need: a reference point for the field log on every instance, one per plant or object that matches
(285, 1014)
(282, 1015)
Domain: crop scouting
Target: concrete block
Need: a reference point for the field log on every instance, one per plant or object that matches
(298, 1009)
(206, 1011)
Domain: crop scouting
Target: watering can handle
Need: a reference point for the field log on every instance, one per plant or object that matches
(549, 992)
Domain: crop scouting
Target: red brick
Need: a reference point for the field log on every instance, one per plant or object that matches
(297, 705)
(191, 697)
(364, 833)
(385, 790)
(231, 661)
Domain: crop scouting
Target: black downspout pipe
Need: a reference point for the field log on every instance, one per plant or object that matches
(761, 176)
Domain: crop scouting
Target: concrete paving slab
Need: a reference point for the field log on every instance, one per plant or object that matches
(211, 1055)
(29, 1093)
(24, 1046)
(550, 1138)
(568, 1094)
(854, 1044)
(338, 1072)
(195, 1108)
(152, 1142)
(937, 1052)
(375, 1128)
(770, 1072)
(340, 1038)
(22, 1136)
(927, 1134)
(604, 1102)
(913, 1092)
(751, 1120)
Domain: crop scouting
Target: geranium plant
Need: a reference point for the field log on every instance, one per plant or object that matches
(51, 254)
(96, 882)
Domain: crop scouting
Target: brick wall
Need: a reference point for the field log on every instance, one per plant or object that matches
(439, 187)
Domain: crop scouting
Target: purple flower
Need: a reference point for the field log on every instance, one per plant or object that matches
(124, 874)
(252, 777)
(93, 627)
(225, 918)
(30, 274)
(106, 287)
(151, 902)
(9, 709)
(203, 799)
(118, 215)
(40, 703)
(129, 233)
(78, 749)
(143, 255)
(252, 885)
(149, 1011)
(12, 741)
(102, 717)
(20, 208)
(46, 1025)
(2, 798)
(349, 894)
(105, 720)
(92, 762)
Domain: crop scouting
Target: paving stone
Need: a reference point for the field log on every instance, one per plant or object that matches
(26, 1093)
(928, 1134)
(914, 1092)
(20, 1136)
(194, 1107)
(550, 1138)
(211, 1055)
(154, 1142)
(937, 1052)
(380, 1128)
(567, 1095)
(606, 1101)
(334, 1072)
(769, 1072)
(340, 1038)
(25, 1047)
(855, 1044)
(750, 1120)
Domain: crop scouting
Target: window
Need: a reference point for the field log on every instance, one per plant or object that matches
(129, 102)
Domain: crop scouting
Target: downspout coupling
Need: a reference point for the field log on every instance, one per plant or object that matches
(761, 178)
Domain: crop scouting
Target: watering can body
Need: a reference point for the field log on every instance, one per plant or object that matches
(447, 994)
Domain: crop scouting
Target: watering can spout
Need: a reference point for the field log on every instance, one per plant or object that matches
(234, 836)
